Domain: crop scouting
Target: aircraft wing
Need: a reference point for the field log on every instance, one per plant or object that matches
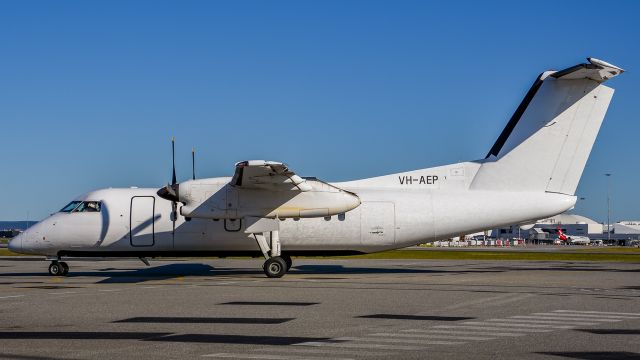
(270, 175)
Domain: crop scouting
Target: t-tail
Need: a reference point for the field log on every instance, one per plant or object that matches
(546, 143)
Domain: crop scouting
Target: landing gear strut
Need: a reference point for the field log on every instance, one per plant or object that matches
(276, 264)
(58, 268)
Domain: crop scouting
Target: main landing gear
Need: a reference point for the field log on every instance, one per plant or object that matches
(58, 268)
(276, 264)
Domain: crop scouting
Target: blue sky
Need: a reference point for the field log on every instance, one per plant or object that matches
(91, 92)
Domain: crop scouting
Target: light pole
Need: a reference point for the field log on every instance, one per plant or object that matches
(608, 175)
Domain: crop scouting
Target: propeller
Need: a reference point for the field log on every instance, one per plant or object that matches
(193, 162)
(171, 191)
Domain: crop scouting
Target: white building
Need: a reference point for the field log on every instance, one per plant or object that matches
(627, 227)
(546, 229)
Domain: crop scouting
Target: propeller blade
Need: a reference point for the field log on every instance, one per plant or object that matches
(173, 160)
(193, 162)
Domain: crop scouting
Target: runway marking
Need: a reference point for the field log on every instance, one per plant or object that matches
(109, 290)
(464, 332)
(405, 341)
(521, 324)
(432, 336)
(11, 296)
(323, 351)
(490, 328)
(62, 292)
(591, 316)
(596, 312)
(474, 302)
(268, 357)
(549, 322)
(559, 318)
(356, 345)
(512, 299)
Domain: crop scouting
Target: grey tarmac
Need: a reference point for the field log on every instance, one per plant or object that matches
(322, 309)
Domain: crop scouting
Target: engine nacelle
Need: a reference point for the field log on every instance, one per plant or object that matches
(217, 199)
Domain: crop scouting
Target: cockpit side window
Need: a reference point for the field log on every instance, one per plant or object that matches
(82, 206)
(71, 206)
(89, 206)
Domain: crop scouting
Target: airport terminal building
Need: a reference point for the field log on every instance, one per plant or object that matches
(572, 224)
(546, 229)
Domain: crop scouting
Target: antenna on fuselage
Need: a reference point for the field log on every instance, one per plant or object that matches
(193, 162)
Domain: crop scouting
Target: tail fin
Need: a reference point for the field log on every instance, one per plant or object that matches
(547, 141)
(561, 235)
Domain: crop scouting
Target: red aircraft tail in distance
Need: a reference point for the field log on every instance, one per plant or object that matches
(561, 235)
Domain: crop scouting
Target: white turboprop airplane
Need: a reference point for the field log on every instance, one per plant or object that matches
(530, 173)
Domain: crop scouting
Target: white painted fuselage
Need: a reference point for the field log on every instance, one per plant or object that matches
(396, 211)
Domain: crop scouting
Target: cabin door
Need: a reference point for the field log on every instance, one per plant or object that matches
(377, 223)
(142, 221)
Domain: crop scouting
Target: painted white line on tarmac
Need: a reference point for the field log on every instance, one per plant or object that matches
(596, 312)
(560, 318)
(602, 316)
(11, 296)
(433, 336)
(323, 351)
(477, 302)
(464, 332)
(405, 341)
(491, 328)
(523, 324)
(363, 346)
(62, 293)
(547, 322)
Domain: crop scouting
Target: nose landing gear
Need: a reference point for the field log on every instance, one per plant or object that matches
(58, 268)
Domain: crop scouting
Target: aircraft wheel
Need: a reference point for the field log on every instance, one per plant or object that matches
(56, 269)
(275, 267)
(287, 259)
(65, 268)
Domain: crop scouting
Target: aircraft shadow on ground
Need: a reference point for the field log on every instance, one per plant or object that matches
(595, 355)
(171, 271)
(157, 336)
(203, 320)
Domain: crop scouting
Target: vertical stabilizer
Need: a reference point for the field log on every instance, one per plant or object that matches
(546, 144)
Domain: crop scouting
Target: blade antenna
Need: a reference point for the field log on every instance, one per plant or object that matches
(193, 162)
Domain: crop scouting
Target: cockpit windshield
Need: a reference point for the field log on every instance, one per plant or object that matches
(82, 206)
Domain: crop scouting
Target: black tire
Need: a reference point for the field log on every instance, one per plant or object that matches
(275, 267)
(55, 269)
(65, 268)
(287, 259)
